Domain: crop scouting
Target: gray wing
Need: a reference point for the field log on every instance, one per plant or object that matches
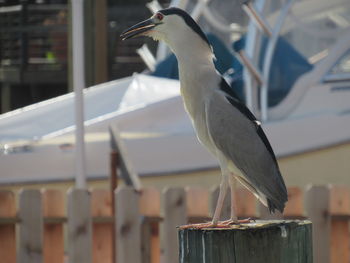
(236, 133)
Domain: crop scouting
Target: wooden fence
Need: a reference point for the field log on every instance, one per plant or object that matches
(47, 226)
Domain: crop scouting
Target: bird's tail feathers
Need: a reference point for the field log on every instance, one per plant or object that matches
(272, 204)
(279, 201)
(280, 198)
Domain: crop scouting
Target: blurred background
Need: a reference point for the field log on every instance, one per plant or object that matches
(35, 47)
(288, 60)
(290, 66)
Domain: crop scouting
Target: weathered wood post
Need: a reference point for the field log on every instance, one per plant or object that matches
(79, 226)
(30, 247)
(174, 214)
(274, 241)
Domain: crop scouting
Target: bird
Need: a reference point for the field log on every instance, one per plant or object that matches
(222, 122)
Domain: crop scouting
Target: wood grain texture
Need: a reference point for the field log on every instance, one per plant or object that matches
(30, 248)
(264, 242)
(79, 226)
(7, 231)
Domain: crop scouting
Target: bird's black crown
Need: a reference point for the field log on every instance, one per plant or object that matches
(188, 20)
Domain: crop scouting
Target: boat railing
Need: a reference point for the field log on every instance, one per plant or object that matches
(258, 22)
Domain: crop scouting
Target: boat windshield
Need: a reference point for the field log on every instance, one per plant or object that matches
(313, 26)
(308, 32)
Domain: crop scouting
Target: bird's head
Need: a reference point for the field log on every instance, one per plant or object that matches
(173, 26)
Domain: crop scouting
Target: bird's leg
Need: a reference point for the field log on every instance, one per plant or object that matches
(227, 179)
(233, 219)
(221, 199)
(219, 205)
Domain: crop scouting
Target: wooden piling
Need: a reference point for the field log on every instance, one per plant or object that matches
(273, 241)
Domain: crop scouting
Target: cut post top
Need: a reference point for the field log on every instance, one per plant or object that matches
(263, 241)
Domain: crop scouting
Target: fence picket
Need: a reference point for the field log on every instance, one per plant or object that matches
(174, 214)
(7, 231)
(53, 206)
(30, 248)
(79, 226)
(90, 227)
(128, 226)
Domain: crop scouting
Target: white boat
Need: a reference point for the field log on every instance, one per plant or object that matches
(308, 127)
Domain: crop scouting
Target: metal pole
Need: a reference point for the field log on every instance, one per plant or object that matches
(256, 17)
(79, 84)
(264, 104)
(251, 44)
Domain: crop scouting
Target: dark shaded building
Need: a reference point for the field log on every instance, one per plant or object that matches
(35, 47)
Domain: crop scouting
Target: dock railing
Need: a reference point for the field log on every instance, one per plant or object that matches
(78, 226)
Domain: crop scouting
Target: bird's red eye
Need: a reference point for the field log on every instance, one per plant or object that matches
(159, 16)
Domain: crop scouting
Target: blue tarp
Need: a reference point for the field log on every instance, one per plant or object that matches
(287, 66)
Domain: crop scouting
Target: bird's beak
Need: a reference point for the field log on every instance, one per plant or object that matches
(138, 29)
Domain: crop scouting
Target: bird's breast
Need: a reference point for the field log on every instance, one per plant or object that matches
(195, 105)
(197, 82)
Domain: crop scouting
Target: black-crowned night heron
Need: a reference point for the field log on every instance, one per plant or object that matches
(224, 125)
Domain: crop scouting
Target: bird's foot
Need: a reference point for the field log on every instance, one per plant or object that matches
(199, 226)
(220, 224)
(236, 221)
